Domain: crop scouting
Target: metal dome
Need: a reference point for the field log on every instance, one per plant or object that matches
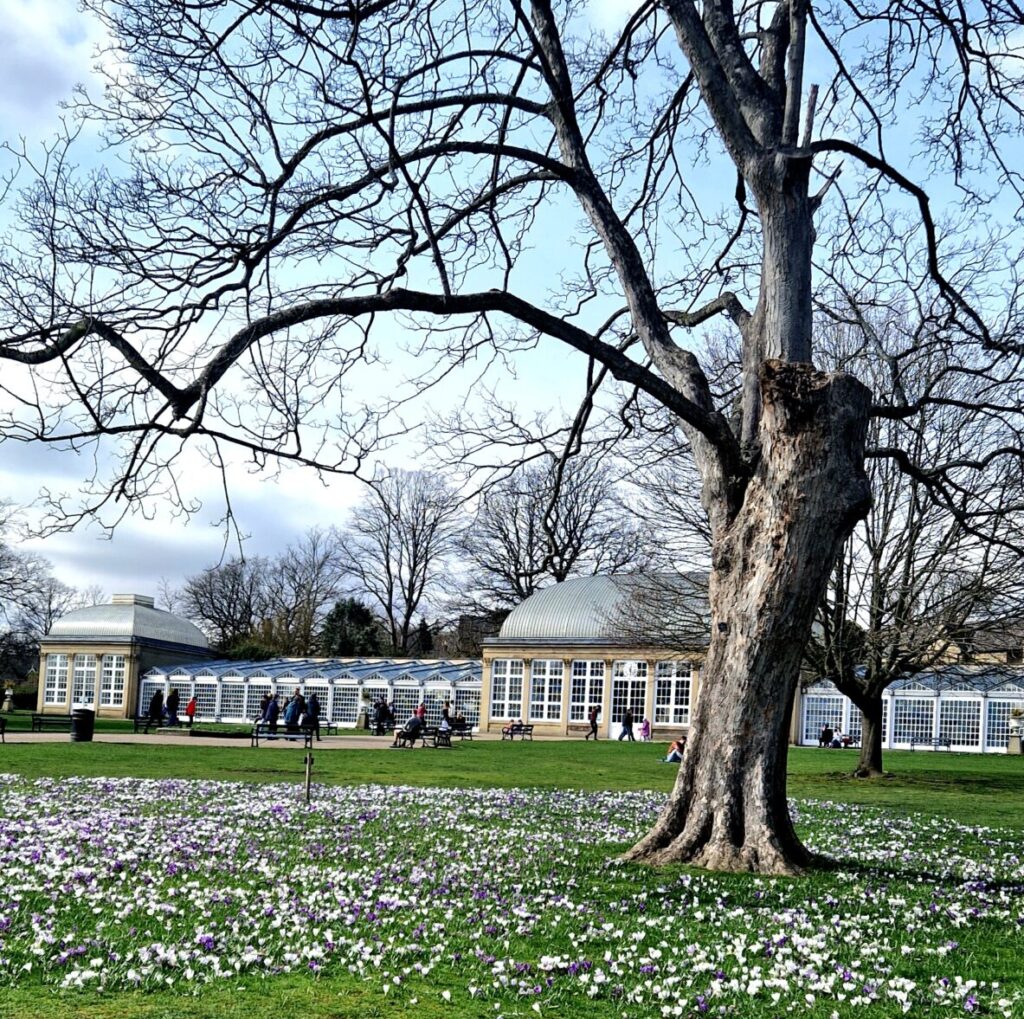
(599, 609)
(128, 616)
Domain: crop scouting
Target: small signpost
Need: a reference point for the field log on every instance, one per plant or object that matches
(308, 760)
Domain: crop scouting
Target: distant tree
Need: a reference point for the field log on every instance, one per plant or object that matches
(547, 523)
(424, 640)
(279, 603)
(351, 629)
(301, 585)
(228, 600)
(918, 569)
(398, 544)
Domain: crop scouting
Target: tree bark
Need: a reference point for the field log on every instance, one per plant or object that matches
(728, 810)
(870, 763)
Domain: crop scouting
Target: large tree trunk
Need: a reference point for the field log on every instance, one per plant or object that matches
(870, 763)
(728, 810)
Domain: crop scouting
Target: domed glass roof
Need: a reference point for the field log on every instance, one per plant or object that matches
(606, 608)
(128, 616)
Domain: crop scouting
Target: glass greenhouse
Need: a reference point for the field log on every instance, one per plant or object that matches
(963, 707)
(229, 691)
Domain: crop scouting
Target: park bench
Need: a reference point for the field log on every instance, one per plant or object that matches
(429, 735)
(280, 732)
(463, 731)
(41, 722)
(145, 723)
(933, 743)
(326, 726)
(517, 729)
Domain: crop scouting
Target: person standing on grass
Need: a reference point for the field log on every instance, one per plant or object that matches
(190, 710)
(627, 727)
(592, 719)
(173, 701)
(645, 731)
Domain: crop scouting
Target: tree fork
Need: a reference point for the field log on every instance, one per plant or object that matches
(728, 810)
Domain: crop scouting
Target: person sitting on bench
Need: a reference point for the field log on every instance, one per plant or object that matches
(407, 736)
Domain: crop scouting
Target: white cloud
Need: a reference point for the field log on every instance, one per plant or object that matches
(47, 48)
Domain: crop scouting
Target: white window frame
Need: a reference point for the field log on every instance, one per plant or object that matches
(672, 687)
(55, 684)
(629, 689)
(547, 676)
(586, 688)
(113, 679)
(506, 688)
(83, 679)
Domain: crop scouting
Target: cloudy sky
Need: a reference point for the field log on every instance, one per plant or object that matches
(49, 47)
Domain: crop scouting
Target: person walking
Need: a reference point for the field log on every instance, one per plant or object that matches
(173, 701)
(270, 713)
(156, 707)
(645, 731)
(592, 719)
(190, 710)
(313, 714)
(627, 727)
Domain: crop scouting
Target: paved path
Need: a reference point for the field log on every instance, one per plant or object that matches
(174, 740)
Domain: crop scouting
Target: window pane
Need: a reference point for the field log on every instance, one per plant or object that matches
(83, 680)
(55, 688)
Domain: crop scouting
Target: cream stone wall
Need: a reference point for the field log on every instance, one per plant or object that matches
(568, 653)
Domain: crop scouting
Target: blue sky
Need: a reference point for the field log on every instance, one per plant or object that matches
(48, 47)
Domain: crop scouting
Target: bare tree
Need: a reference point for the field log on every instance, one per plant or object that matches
(396, 546)
(299, 173)
(545, 524)
(229, 601)
(301, 586)
(919, 569)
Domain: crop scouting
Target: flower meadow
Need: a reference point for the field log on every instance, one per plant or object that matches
(501, 902)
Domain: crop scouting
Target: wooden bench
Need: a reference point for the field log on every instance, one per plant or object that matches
(933, 743)
(276, 731)
(324, 726)
(462, 731)
(428, 735)
(41, 722)
(145, 723)
(517, 729)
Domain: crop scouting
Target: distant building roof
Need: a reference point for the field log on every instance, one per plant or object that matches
(965, 678)
(127, 617)
(615, 609)
(309, 670)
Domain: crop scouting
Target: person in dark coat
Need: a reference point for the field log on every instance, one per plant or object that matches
(173, 701)
(156, 707)
(313, 714)
(270, 715)
(294, 710)
(627, 727)
(408, 735)
(592, 719)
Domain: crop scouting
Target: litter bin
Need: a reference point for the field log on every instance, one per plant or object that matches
(83, 721)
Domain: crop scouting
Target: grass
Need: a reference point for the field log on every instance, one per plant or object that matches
(987, 789)
(976, 790)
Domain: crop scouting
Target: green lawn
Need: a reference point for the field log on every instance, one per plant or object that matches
(976, 791)
(984, 789)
